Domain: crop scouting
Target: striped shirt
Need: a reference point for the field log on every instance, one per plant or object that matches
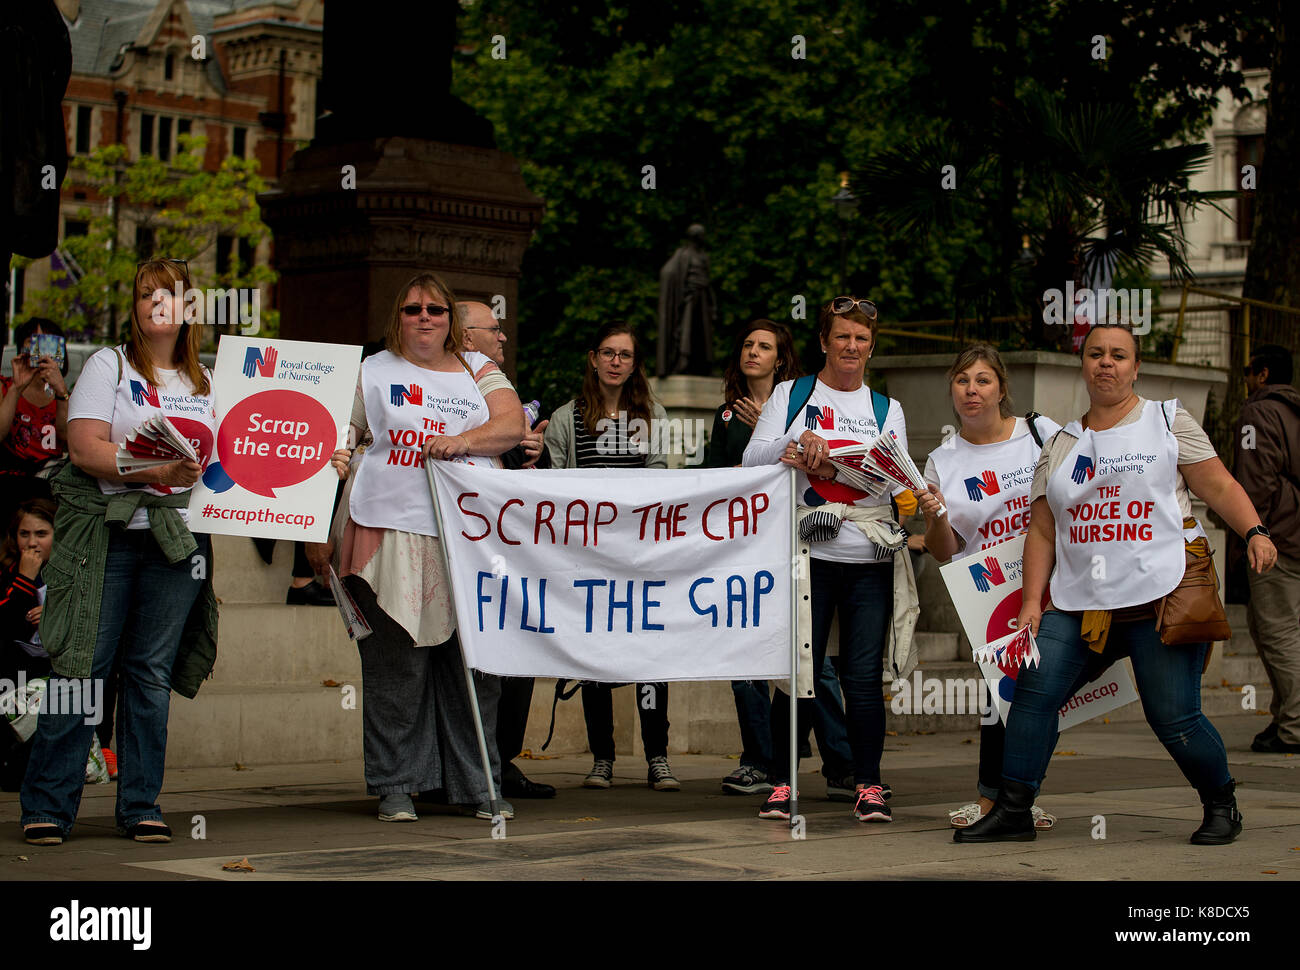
(610, 448)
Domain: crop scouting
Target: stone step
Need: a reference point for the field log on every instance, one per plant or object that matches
(934, 646)
(240, 576)
(1245, 669)
(263, 644)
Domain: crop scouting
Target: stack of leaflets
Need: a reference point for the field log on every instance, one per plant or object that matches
(1017, 649)
(878, 466)
(153, 444)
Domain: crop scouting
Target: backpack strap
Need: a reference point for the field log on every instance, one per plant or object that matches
(560, 695)
(118, 354)
(800, 392)
(1165, 410)
(1030, 418)
(880, 405)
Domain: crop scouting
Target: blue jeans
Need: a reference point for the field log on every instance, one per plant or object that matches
(863, 595)
(1168, 680)
(146, 601)
(754, 712)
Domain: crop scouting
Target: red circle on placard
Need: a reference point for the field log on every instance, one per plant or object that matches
(282, 463)
(833, 491)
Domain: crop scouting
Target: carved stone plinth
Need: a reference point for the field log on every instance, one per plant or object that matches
(354, 221)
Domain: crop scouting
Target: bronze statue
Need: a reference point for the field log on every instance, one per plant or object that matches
(686, 309)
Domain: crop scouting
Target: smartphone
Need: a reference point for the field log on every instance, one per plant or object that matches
(48, 345)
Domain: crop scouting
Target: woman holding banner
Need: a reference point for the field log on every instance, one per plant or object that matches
(1111, 528)
(854, 570)
(982, 476)
(612, 425)
(420, 399)
(126, 579)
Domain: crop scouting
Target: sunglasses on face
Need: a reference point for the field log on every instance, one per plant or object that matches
(413, 309)
(843, 304)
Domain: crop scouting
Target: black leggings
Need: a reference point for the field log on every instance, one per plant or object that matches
(598, 711)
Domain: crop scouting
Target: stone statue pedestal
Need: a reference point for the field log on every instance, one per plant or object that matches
(690, 401)
(354, 221)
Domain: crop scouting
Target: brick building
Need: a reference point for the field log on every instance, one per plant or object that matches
(242, 73)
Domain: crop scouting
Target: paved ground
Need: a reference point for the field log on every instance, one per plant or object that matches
(315, 822)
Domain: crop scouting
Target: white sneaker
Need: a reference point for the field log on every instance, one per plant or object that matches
(601, 774)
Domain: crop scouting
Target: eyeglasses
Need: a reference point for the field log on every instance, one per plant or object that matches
(413, 309)
(182, 263)
(625, 356)
(495, 330)
(843, 304)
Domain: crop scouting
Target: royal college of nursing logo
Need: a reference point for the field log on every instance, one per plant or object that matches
(142, 394)
(987, 574)
(1083, 470)
(260, 362)
(815, 417)
(400, 395)
(985, 484)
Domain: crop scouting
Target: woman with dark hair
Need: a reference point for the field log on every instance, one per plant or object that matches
(609, 426)
(765, 358)
(982, 475)
(25, 552)
(1112, 490)
(122, 581)
(33, 416)
(418, 727)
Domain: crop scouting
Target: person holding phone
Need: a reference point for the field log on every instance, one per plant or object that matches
(33, 415)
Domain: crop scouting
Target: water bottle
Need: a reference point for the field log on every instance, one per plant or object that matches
(532, 411)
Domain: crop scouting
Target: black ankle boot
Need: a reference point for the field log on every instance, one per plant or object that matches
(1222, 823)
(1009, 821)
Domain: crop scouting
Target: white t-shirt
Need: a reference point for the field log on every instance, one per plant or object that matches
(125, 404)
(841, 417)
(987, 486)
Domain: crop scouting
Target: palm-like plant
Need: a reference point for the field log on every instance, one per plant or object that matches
(1089, 186)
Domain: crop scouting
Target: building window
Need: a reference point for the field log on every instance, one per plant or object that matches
(146, 134)
(1250, 151)
(75, 227)
(230, 248)
(144, 243)
(239, 142)
(165, 139)
(182, 128)
(83, 129)
(169, 67)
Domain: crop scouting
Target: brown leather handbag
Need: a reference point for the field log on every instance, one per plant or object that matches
(1192, 612)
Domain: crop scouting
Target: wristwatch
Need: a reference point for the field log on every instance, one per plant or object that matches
(1259, 530)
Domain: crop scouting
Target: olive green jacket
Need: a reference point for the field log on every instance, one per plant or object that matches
(74, 576)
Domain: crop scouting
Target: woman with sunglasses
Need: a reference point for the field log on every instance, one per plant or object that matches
(984, 471)
(603, 428)
(418, 727)
(122, 580)
(854, 569)
(1111, 490)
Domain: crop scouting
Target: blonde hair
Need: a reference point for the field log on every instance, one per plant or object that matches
(430, 283)
(163, 274)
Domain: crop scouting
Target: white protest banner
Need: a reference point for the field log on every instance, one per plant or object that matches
(616, 576)
(282, 410)
(986, 590)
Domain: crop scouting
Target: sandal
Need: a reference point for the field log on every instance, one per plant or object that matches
(148, 832)
(43, 835)
(959, 818)
(1042, 820)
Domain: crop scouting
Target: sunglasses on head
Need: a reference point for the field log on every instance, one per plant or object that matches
(182, 263)
(843, 304)
(434, 310)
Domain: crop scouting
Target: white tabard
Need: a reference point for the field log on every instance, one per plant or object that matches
(406, 405)
(1119, 534)
(986, 487)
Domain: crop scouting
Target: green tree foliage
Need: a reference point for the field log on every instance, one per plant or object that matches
(184, 207)
(748, 138)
